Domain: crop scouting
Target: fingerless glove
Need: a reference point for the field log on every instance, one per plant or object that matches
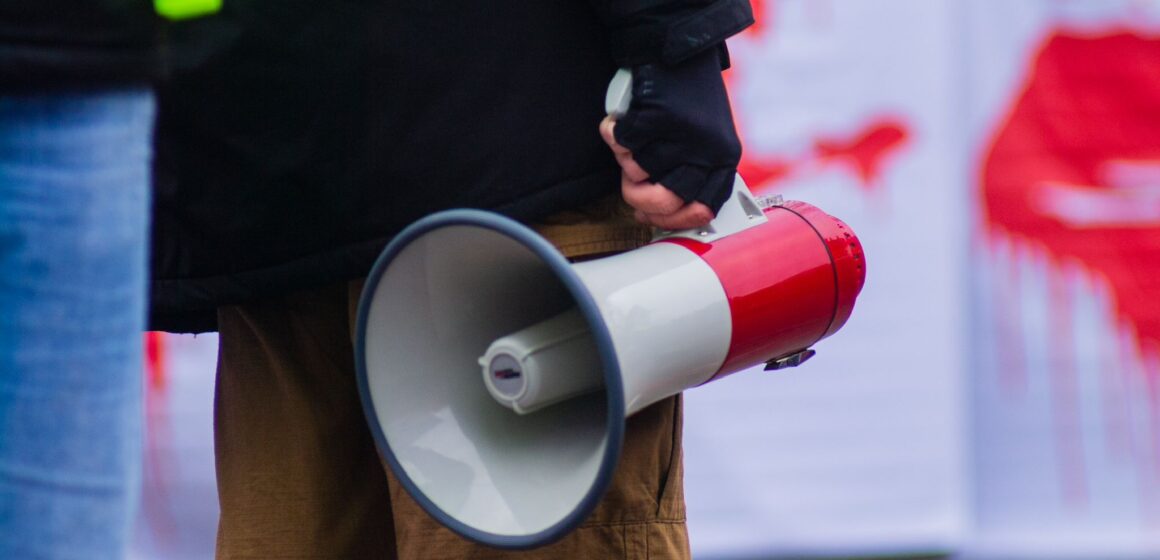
(680, 128)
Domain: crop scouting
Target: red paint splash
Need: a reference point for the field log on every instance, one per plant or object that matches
(762, 13)
(1074, 170)
(160, 465)
(1009, 342)
(155, 359)
(762, 171)
(864, 153)
(1065, 394)
(1060, 168)
(864, 150)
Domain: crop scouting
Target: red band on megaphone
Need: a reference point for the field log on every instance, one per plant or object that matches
(790, 282)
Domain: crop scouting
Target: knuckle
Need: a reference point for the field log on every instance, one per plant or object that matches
(609, 128)
(701, 214)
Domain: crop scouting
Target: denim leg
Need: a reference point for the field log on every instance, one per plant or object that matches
(74, 211)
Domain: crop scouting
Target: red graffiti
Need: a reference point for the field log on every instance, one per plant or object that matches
(1074, 173)
(863, 153)
(1076, 166)
(762, 12)
(155, 359)
(866, 151)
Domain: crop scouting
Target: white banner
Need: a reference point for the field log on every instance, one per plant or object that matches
(1065, 99)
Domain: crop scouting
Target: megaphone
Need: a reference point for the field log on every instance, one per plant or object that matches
(496, 376)
(519, 457)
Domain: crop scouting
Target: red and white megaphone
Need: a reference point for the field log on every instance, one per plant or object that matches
(496, 376)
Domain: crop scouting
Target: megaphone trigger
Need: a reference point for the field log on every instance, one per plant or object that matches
(619, 94)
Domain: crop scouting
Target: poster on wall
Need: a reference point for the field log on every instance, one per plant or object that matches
(850, 106)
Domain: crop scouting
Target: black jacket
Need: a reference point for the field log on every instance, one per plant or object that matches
(76, 43)
(296, 137)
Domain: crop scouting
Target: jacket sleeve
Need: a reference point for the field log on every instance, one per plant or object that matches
(669, 31)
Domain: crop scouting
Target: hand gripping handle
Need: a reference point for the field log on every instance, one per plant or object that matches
(740, 212)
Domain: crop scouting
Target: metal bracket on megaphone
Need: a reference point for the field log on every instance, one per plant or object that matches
(740, 212)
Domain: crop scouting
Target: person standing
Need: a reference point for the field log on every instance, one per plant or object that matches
(298, 137)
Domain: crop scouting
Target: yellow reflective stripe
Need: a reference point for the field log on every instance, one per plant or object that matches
(186, 9)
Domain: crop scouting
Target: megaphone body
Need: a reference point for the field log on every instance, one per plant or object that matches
(496, 376)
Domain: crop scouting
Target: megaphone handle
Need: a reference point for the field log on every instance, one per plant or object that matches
(619, 95)
(740, 212)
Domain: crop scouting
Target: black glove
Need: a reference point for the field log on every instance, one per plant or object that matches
(680, 128)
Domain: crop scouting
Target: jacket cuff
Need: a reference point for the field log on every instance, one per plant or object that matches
(673, 42)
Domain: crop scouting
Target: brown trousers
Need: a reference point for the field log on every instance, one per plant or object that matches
(298, 473)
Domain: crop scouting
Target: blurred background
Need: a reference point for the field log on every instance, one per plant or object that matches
(996, 393)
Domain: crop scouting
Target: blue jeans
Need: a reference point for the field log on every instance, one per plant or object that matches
(74, 215)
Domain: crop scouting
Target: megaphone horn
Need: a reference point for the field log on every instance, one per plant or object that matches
(566, 351)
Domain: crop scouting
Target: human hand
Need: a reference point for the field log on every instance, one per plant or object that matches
(671, 131)
(653, 203)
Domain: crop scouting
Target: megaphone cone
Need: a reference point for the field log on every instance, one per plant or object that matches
(519, 457)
